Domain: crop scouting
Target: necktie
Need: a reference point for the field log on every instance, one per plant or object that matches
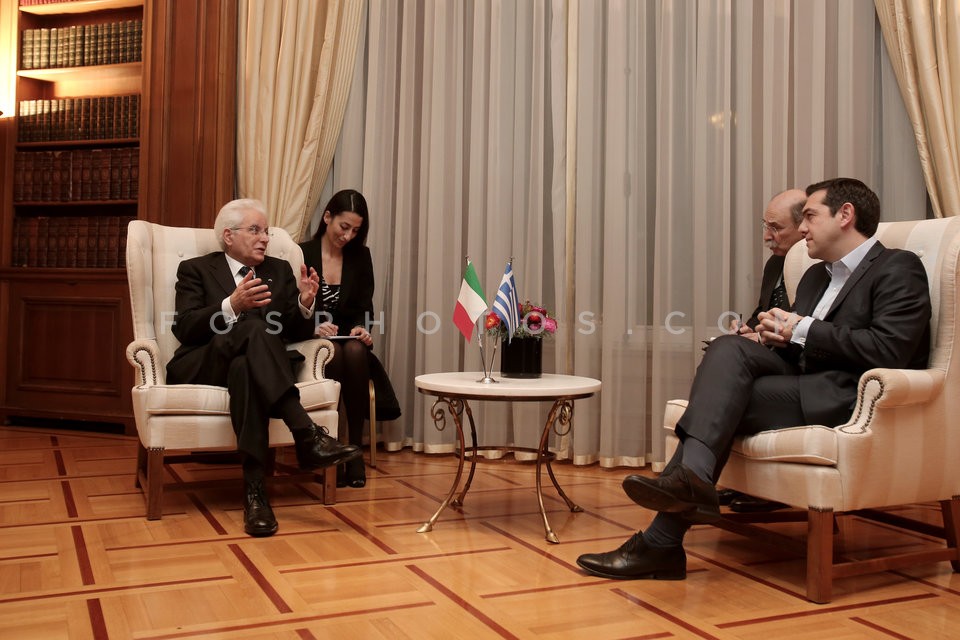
(244, 270)
(778, 297)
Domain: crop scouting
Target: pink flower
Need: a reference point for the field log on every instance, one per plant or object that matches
(550, 325)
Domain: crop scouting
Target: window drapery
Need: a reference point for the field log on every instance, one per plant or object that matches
(923, 39)
(294, 78)
(622, 152)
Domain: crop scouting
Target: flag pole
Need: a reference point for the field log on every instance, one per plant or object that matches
(487, 378)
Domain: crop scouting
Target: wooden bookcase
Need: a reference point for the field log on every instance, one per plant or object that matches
(89, 115)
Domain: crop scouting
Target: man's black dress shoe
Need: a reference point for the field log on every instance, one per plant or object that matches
(752, 504)
(679, 491)
(315, 448)
(258, 518)
(634, 559)
(726, 496)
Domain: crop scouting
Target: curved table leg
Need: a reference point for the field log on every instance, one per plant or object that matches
(561, 411)
(473, 455)
(454, 407)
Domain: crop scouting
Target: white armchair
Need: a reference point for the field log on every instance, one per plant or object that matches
(173, 419)
(899, 447)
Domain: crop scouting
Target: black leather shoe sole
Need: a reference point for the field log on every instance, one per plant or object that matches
(647, 494)
(750, 504)
(726, 496)
(657, 574)
(262, 531)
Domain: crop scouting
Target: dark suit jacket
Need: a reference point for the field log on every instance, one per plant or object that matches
(881, 318)
(356, 285)
(772, 271)
(203, 283)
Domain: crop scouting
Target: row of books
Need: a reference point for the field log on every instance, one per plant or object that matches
(30, 3)
(82, 45)
(86, 118)
(76, 175)
(80, 242)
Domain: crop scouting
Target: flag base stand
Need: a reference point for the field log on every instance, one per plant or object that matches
(487, 366)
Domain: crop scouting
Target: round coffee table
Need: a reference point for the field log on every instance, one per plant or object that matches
(454, 391)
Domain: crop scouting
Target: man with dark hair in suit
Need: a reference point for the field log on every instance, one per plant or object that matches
(236, 310)
(863, 306)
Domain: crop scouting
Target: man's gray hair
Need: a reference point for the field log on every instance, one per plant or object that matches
(232, 214)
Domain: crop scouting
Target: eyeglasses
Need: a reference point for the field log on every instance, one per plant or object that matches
(766, 226)
(254, 230)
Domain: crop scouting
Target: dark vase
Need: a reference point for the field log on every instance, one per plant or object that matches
(521, 358)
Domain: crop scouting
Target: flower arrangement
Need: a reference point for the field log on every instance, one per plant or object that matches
(535, 322)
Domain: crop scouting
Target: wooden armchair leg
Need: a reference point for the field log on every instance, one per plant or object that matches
(951, 528)
(820, 555)
(153, 484)
(373, 425)
(141, 465)
(330, 486)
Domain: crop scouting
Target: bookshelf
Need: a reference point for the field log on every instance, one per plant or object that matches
(65, 316)
(74, 188)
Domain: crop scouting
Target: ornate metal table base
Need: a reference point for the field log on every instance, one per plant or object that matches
(559, 420)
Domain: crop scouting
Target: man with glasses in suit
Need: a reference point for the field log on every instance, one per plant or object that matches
(235, 311)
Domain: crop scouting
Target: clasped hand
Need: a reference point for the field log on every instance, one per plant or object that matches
(776, 327)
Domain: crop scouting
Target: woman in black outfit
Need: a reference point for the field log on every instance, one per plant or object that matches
(339, 253)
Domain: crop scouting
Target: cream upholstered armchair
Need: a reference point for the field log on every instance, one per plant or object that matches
(180, 418)
(899, 447)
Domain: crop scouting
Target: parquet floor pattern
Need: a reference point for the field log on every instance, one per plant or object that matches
(79, 560)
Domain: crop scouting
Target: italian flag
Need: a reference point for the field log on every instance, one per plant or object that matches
(470, 304)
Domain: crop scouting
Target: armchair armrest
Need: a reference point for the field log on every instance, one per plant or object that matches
(890, 389)
(318, 352)
(144, 356)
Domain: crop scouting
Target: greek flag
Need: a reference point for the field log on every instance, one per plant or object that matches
(507, 304)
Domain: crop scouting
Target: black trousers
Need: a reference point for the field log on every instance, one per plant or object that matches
(741, 387)
(252, 362)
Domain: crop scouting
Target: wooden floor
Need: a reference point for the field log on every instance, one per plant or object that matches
(79, 560)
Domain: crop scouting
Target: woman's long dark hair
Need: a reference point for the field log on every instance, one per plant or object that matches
(347, 200)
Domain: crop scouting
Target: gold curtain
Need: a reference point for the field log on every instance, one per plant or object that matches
(923, 40)
(297, 65)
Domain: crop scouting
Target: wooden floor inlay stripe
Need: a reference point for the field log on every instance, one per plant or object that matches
(877, 627)
(201, 508)
(362, 531)
(462, 603)
(825, 610)
(260, 580)
(97, 622)
(701, 633)
(83, 557)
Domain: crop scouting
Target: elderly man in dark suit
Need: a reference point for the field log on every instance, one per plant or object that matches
(864, 306)
(236, 309)
(781, 230)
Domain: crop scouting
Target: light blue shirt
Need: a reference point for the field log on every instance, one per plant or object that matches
(839, 274)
